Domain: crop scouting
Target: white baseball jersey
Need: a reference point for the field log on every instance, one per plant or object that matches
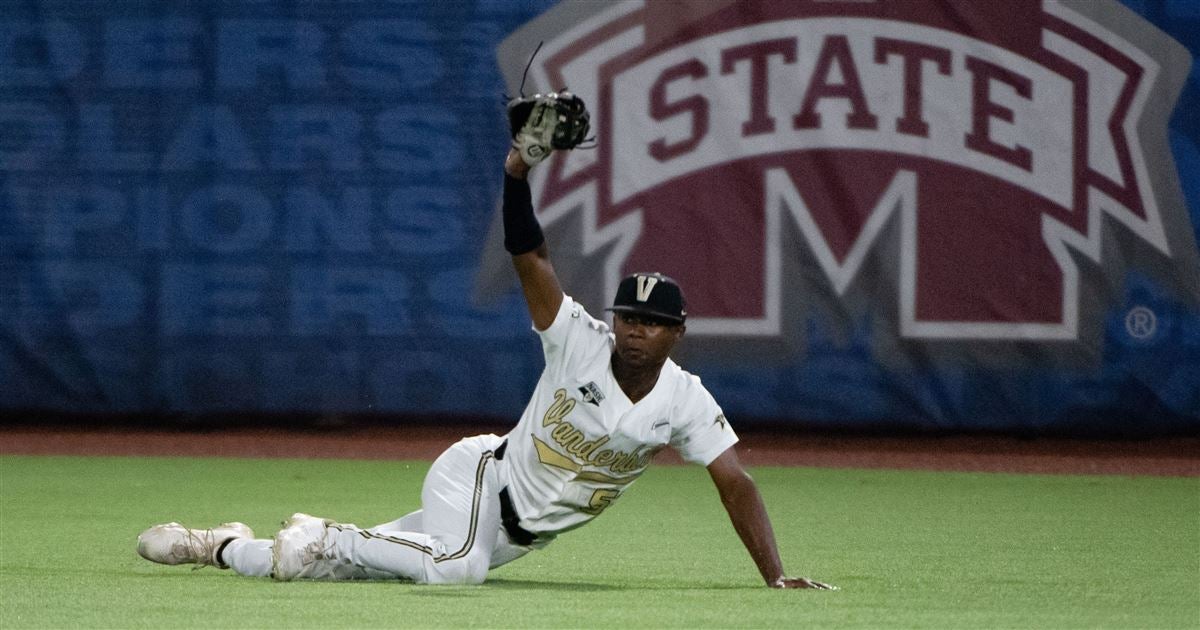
(581, 442)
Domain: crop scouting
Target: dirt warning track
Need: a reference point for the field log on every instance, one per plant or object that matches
(1164, 457)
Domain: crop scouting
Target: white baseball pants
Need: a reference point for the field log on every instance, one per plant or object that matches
(454, 539)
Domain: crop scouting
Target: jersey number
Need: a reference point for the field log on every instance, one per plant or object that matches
(601, 499)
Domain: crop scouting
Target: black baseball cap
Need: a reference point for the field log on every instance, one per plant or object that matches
(651, 294)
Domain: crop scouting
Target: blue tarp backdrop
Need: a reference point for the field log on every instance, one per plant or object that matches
(273, 206)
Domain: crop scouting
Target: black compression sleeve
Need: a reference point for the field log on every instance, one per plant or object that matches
(522, 233)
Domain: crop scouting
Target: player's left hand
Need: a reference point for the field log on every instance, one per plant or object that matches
(787, 582)
(548, 122)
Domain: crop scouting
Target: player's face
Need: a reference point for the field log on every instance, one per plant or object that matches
(643, 340)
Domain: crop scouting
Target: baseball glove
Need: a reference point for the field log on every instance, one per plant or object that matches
(545, 122)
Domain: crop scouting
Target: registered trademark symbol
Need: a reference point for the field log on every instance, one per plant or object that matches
(1140, 322)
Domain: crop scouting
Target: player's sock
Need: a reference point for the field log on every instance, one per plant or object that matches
(221, 564)
(249, 557)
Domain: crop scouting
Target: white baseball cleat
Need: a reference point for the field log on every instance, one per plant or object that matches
(172, 543)
(298, 546)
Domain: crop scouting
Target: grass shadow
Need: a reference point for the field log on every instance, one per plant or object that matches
(593, 586)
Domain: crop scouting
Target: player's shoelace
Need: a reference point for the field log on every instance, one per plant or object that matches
(201, 545)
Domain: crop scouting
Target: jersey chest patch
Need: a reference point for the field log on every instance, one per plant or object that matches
(591, 393)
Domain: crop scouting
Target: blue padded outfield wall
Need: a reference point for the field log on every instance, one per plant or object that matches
(914, 215)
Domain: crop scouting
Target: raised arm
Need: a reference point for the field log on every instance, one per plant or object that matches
(523, 239)
(742, 501)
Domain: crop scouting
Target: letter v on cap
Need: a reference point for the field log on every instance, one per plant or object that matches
(645, 284)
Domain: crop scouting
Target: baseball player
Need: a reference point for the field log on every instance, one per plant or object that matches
(607, 401)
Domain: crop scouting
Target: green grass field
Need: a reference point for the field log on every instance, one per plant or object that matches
(909, 549)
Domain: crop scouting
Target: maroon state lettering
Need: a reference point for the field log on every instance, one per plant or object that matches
(993, 148)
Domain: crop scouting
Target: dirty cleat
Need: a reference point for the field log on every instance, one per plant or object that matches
(172, 543)
(299, 546)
